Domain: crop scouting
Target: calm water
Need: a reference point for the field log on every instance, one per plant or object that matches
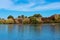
(30, 32)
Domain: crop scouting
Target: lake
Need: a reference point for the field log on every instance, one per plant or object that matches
(30, 32)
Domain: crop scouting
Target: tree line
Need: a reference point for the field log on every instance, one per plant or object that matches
(34, 19)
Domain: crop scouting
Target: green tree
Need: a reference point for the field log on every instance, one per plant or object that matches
(10, 16)
(25, 16)
(22, 16)
(33, 20)
(26, 21)
(37, 15)
(30, 16)
(19, 16)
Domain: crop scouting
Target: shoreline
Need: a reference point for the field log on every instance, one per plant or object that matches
(36, 24)
(35, 19)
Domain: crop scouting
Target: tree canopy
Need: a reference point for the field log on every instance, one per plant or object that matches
(10, 16)
(22, 16)
(37, 15)
(19, 16)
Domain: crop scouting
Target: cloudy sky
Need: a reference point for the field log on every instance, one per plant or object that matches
(29, 7)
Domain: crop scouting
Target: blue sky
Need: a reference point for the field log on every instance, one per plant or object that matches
(29, 7)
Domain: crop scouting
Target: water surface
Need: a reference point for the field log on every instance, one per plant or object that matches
(30, 32)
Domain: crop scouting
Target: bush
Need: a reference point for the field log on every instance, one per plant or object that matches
(26, 21)
(10, 21)
(37, 15)
(10, 17)
(33, 20)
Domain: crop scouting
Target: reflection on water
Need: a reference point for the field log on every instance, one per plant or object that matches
(30, 32)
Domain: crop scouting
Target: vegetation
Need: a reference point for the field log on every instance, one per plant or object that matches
(19, 16)
(22, 16)
(26, 21)
(35, 19)
(10, 17)
(10, 21)
(37, 15)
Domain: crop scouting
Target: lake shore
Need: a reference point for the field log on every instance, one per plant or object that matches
(35, 19)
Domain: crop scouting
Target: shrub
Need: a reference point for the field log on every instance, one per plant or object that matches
(10, 21)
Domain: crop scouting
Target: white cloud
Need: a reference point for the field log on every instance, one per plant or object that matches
(51, 6)
(38, 1)
(7, 4)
